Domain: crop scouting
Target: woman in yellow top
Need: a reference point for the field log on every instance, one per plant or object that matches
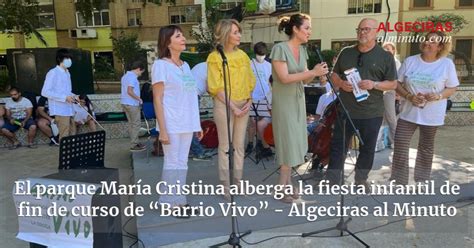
(240, 84)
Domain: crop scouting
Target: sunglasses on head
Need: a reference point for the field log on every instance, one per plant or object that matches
(359, 60)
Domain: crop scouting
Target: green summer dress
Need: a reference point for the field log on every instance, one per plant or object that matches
(289, 109)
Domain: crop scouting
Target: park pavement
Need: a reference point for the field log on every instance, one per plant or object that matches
(454, 159)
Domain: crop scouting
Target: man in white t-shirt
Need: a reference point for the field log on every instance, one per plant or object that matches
(131, 101)
(19, 114)
(262, 97)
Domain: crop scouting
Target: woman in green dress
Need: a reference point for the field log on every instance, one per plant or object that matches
(290, 72)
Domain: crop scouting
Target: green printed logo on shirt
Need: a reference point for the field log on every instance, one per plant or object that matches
(421, 81)
(189, 84)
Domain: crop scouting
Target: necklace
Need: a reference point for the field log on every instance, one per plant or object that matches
(178, 64)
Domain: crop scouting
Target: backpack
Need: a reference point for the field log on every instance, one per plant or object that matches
(210, 139)
(146, 92)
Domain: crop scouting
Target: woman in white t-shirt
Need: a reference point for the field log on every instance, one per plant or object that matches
(425, 80)
(175, 98)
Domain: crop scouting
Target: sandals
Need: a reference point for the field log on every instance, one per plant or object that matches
(15, 146)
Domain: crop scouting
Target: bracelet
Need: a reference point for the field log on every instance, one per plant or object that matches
(408, 96)
(375, 85)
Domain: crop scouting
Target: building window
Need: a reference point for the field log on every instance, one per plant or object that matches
(421, 3)
(339, 45)
(184, 14)
(99, 18)
(464, 51)
(46, 20)
(364, 6)
(134, 17)
(312, 45)
(465, 3)
(45, 16)
(304, 6)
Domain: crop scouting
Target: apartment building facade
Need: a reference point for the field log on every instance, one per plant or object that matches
(63, 26)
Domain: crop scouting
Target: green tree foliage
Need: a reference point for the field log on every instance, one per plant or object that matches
(103, 69)
(458, 21)
(86, 7)
(20, 16)
(204, 33)
(127, 48)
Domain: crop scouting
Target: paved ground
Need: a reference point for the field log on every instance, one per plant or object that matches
(455, 143)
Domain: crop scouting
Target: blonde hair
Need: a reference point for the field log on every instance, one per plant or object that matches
(445, 42)
(388, 43)
(223, 30)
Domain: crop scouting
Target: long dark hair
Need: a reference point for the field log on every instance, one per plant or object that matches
(88, 103)
(164, 40)
(286, 23)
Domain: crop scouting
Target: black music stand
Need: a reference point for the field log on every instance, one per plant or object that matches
(81, 159)
(82, 151)
(255, 114)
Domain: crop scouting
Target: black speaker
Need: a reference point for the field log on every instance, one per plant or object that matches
(312, 95)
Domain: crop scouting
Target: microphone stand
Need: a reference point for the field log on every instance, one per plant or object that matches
(258, 154)
(342, 225)
(235, 236)
(258, 157)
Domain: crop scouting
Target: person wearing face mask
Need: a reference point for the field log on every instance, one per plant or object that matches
(261, 96)
(58, 89)
(19, 112)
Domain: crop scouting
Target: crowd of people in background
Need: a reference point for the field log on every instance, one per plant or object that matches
(57, 113)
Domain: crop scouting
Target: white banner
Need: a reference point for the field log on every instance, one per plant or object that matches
(37, 202)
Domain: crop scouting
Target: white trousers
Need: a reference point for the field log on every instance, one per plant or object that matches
(175, 167)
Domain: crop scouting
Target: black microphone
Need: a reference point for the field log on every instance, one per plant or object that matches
(319, 54)
(220, 49)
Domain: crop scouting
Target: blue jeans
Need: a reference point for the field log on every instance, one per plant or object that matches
(196, 148)
(368, 129)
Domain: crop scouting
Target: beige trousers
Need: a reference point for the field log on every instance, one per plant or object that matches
(65, 124)
(238, 127)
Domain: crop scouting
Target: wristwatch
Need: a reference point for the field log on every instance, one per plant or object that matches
(375, 85)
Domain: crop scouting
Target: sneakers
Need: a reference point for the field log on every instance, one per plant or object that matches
(15, 146)
(32, 146)
(202, 157)
(266, 152)
(138, 148)
(54, 141)
(249, 148)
